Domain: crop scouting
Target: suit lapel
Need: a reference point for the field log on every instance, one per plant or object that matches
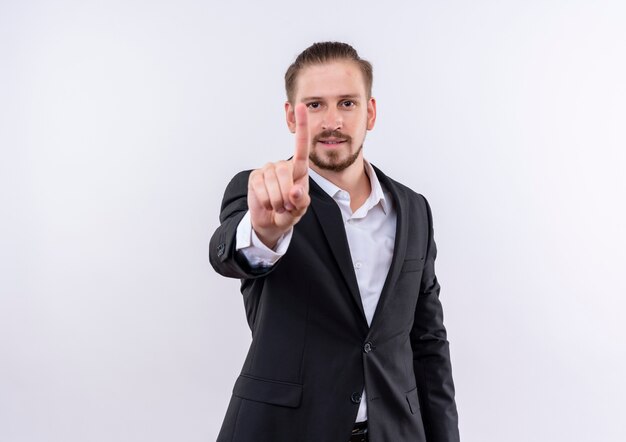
(329, 216)
(399, 248)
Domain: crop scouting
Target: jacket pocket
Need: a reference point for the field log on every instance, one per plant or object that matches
(285, 394)
(412, 265)
(414, 403)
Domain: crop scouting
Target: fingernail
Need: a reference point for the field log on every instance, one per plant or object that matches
(280, 210)
(298, 193)
(288, 207)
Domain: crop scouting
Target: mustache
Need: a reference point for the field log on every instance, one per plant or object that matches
(331, 133)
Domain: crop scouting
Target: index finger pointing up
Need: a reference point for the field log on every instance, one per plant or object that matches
(301, 155)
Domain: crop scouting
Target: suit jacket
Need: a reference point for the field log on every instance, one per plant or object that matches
(312, 351)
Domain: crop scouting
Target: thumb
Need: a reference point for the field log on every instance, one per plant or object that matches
(298, 197)
(297, 192)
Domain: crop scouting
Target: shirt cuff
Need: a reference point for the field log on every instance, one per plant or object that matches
(252, 248)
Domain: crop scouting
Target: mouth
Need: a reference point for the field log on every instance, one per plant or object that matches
(331, 142)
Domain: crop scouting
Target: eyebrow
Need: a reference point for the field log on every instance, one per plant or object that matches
(341, 97)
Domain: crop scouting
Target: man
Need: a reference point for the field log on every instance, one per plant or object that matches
(337, 268)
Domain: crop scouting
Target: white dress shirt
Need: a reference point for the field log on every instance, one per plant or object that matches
(370, 230)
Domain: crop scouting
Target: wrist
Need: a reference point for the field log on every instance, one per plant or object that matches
(269, 237)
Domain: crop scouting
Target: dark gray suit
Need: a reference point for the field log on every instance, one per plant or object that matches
(312, 351)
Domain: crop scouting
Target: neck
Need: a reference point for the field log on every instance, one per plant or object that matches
(353, 180)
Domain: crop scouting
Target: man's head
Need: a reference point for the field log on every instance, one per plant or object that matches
(326, 52)
(336, 85)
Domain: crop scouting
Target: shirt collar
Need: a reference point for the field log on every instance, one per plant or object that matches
(377, 195)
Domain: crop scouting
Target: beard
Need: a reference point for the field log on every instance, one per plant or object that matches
(332, 160)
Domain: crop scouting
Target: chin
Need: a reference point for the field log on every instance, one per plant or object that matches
(335, 163)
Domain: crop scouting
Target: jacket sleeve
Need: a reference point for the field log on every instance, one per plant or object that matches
(431, 354)
(223, 255)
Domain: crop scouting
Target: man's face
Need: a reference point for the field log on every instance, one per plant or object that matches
(339, 112)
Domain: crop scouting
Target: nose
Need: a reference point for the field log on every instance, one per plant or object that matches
(332, 120)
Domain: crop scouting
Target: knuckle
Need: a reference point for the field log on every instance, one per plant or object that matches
(282, 168)
(269, 173)
(256, 180)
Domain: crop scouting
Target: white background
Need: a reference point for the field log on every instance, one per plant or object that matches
(121, 123)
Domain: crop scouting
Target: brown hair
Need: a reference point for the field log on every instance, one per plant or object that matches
(325, 52)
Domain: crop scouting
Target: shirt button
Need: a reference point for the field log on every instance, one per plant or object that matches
(368, 347)
(358, 265)
(355, 398)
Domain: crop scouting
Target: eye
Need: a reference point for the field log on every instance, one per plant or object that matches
(348, 103)
(313, 105)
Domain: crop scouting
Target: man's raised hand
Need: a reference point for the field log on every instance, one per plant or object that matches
(278, 193)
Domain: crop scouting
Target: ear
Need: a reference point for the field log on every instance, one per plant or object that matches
(290, 116)
(371, 113)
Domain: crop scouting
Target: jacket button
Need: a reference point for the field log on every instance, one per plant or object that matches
(355, 398)
(368, 347)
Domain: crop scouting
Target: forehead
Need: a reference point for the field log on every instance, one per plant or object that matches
(332, 79)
